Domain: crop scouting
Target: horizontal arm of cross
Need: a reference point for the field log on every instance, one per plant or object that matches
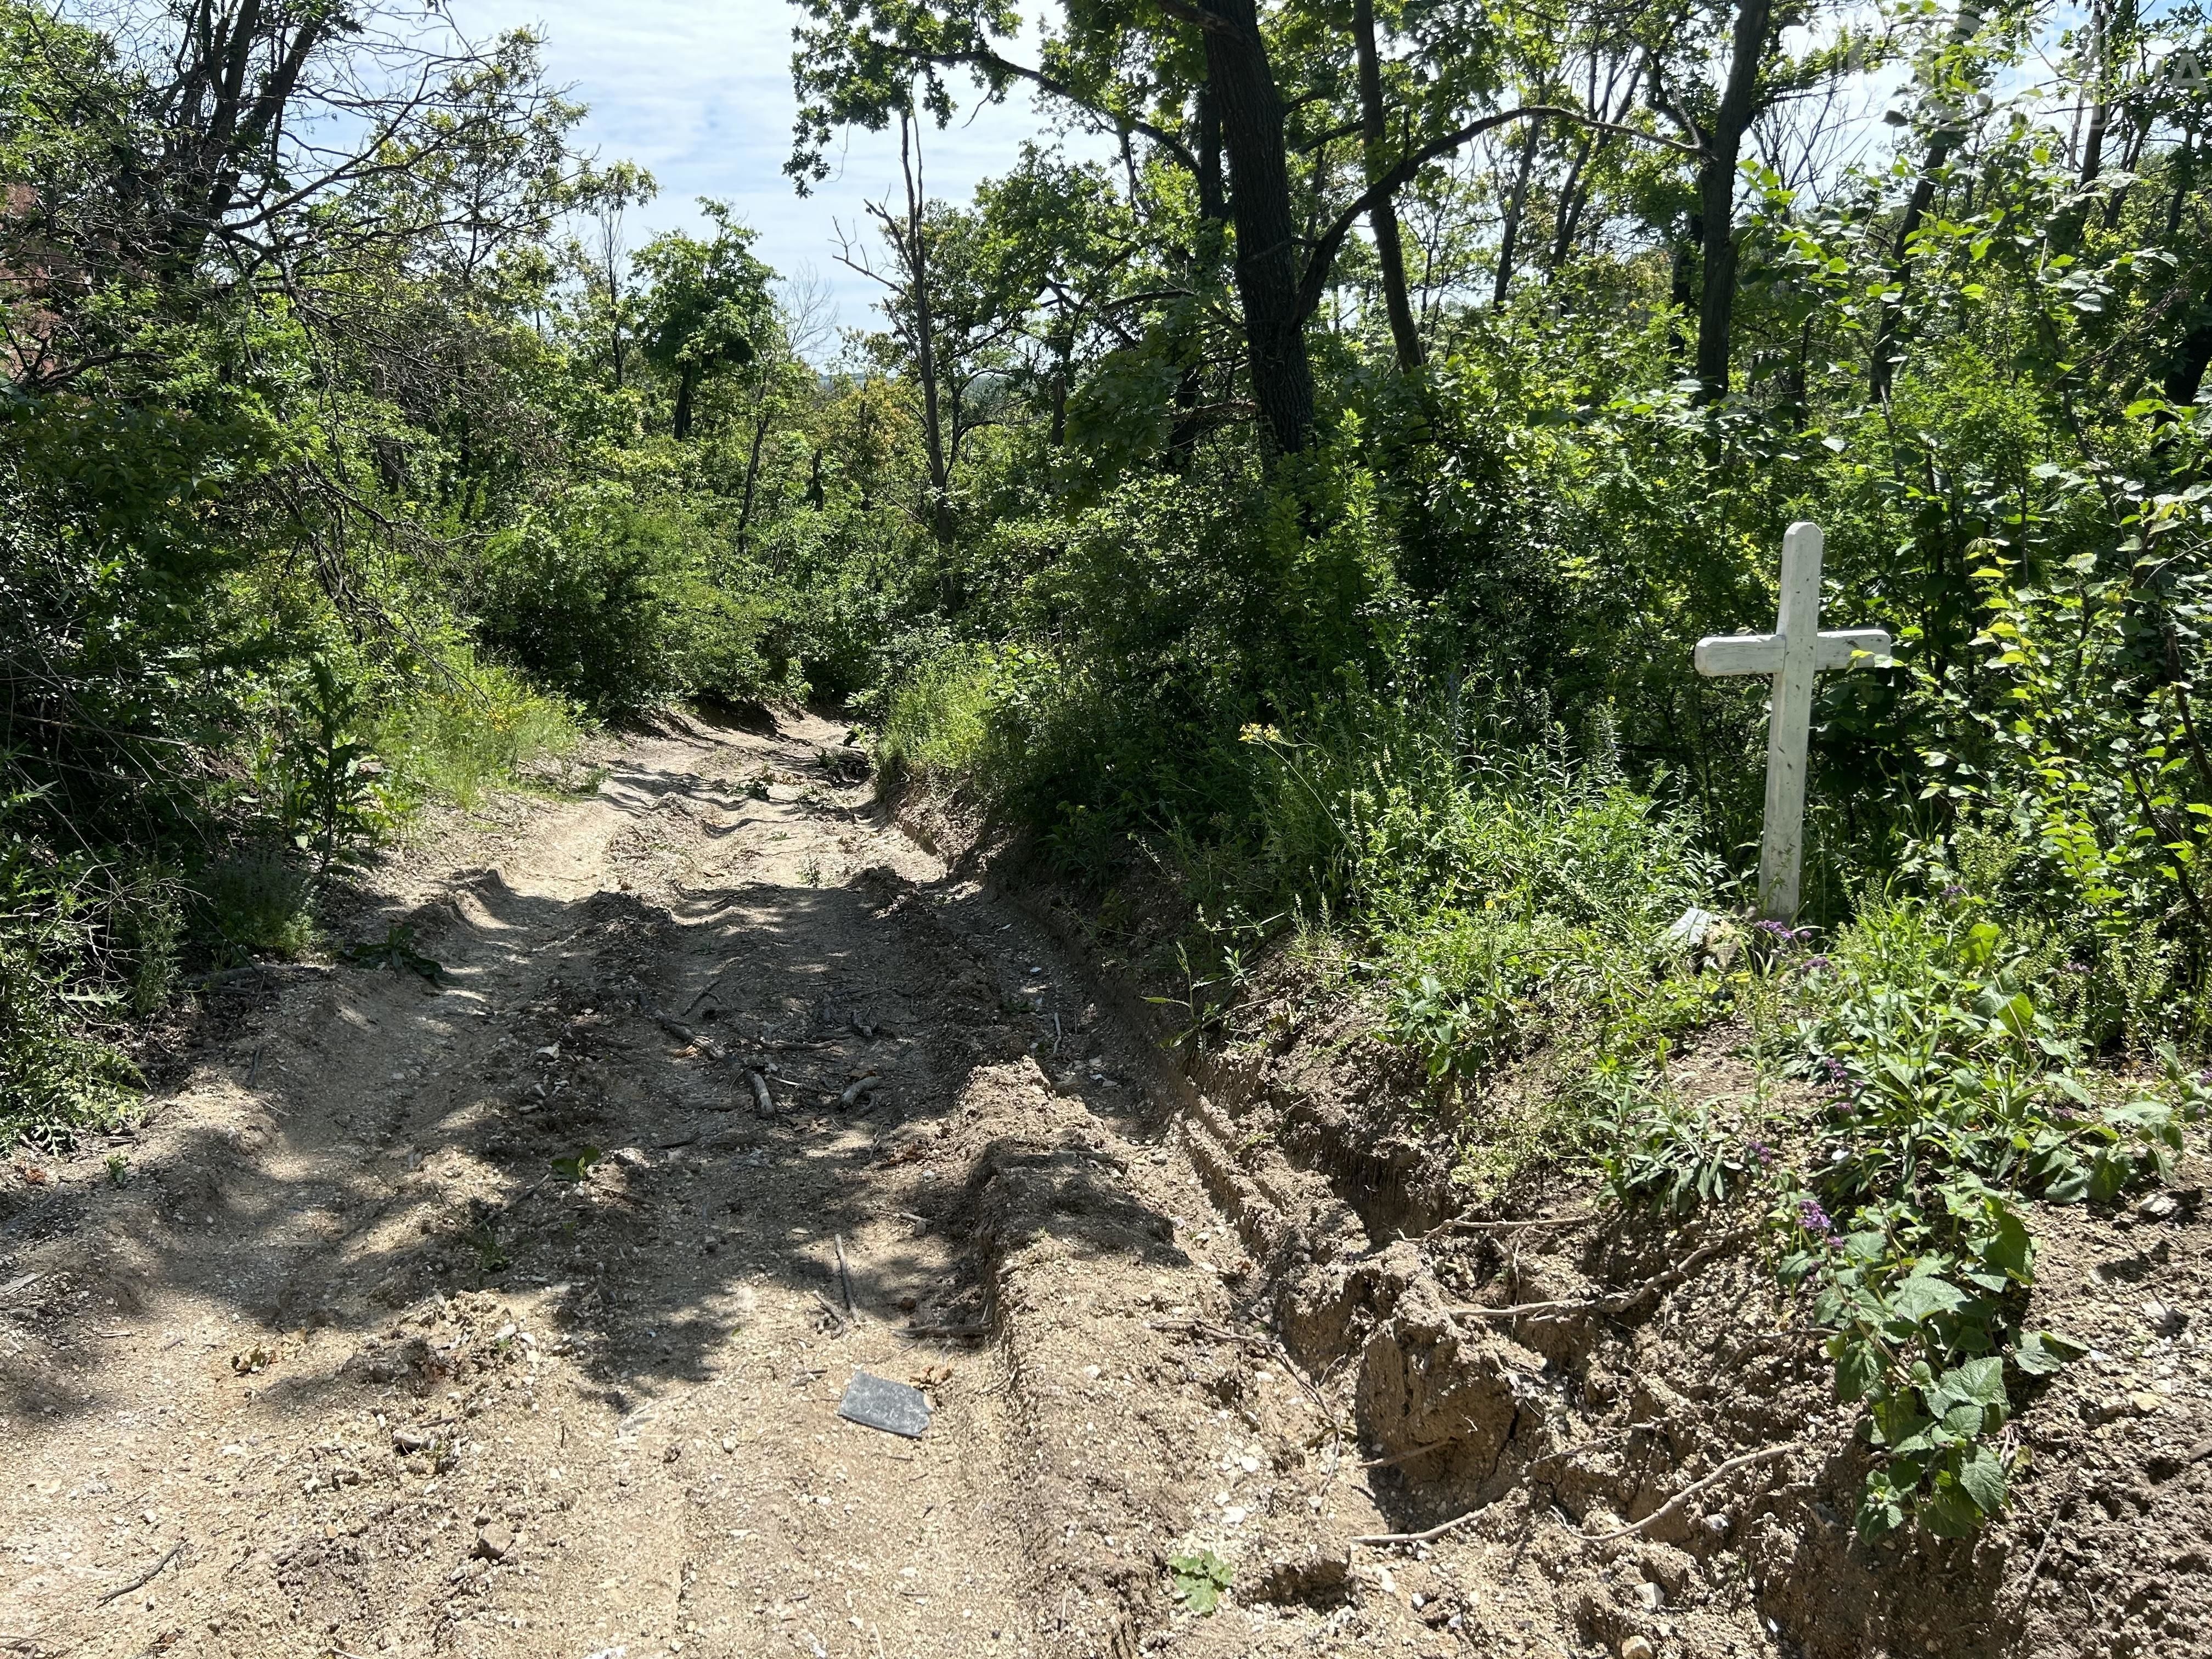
(1761, 653)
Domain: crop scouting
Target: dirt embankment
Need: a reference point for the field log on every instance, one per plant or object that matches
(1639, 1428)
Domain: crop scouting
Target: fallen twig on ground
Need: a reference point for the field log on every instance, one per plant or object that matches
(1456, 1225)
(1613, 1301)
(1211, 1333)
(1764, 1455)
(1392, 1462)
(144, 1578)
(1422, 1537)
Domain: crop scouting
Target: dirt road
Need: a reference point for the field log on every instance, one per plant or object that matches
(504, 1315)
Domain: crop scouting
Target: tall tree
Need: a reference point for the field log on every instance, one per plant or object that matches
(708, 306)
(1382, 217)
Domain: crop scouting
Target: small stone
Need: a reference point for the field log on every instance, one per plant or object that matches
(413, 1440)
(1634, 1647)
(494, 1541)
(2146, 1403)
(2157, 1207)
(1648, 1597)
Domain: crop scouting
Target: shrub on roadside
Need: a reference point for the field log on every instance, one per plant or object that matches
(607, 601)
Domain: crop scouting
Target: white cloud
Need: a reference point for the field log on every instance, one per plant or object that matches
(700, 94)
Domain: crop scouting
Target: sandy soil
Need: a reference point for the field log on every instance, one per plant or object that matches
(343, 1350)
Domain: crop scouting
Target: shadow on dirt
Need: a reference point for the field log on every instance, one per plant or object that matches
(571, 1110)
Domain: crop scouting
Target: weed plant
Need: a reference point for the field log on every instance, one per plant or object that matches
(1948, 1100)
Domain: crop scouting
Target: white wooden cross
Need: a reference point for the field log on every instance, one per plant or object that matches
(1795, 653)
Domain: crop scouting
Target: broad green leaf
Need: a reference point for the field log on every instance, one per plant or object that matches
(2041, 1353)
(1948, 1512)
(1924, 1294)
(1858, 1367)
(1978, 1382)
(2009, 1250)
(1982, 1477)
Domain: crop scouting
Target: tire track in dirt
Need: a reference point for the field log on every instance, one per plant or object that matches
(350, 1338)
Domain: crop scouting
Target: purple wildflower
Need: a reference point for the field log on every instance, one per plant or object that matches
(1954, 891)
(1761, 1151)
(2073, 967)
(1832, 1072)
(1815, 1221)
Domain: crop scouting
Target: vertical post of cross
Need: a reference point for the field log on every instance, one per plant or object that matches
(1792, 658)
(1782, 848)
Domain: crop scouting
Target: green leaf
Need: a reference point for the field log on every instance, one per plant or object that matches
(1981, 1380)
(2009, 1250)
(2041, 1353)
(1949, 1513)
(1924, 1294)
(1982, 1477)
(1895, 1422)
(2109, 1173)
(2072, 1186)
(1199, 1580)
(1858, 1367)
(577, 1166)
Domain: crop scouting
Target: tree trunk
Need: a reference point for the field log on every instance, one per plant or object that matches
(1571, 195)
(1717, 194)
(617, 344)
(1212, 199)
(1382, 217)
(752, 469)
(1883, 363)
(2185, 373)
(2092, 142)
(1682, 279)
(1509, 233)
(687, 381)
(925, 335)
(1211, 235)
(1267, 265)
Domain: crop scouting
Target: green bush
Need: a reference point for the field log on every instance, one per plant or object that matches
(466, 725)
(607, 601)
(1946, 1097)
(55, 1077)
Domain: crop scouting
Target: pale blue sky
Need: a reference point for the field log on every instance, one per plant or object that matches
(700, 94)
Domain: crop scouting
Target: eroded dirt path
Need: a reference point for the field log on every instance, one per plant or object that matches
(350, 1358)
